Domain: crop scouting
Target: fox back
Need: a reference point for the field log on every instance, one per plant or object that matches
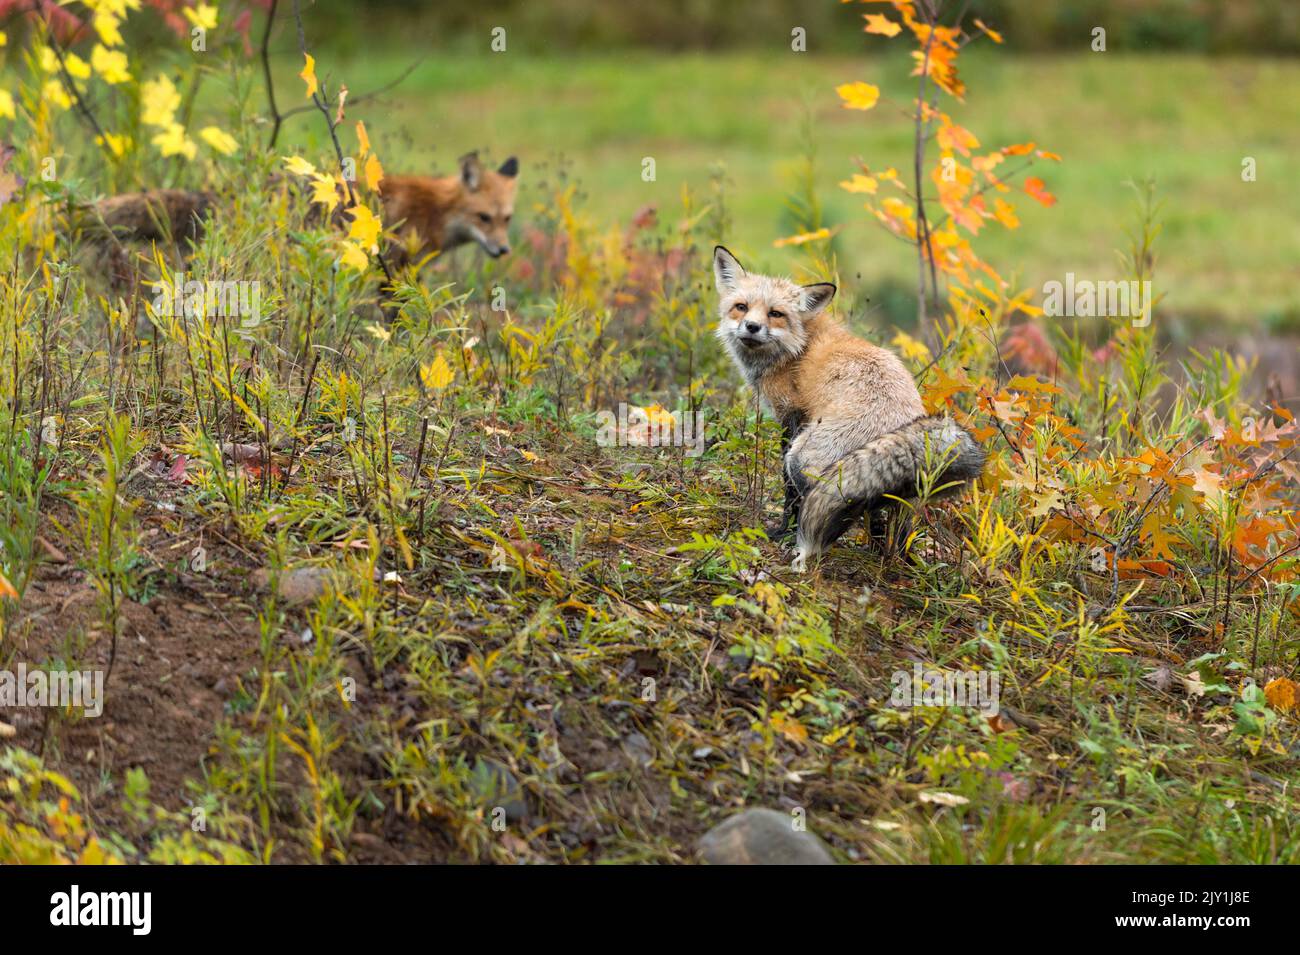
(435, 213)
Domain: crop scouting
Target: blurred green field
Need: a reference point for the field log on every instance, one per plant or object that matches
(1229, 250)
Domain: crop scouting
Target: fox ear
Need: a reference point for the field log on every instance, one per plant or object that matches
(726, 269)
(510, 168)
(817, 297)
(471, 171)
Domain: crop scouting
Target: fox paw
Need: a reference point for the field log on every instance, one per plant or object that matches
(800, 563)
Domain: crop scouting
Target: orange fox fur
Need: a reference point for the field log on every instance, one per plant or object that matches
(434, 213)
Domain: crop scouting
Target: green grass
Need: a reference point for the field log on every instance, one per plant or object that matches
(1229, 248)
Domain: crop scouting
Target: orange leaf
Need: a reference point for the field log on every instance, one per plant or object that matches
(1281, 694)
(1037, 189)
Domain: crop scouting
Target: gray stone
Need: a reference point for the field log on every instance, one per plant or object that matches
(762, 837)
(494, 785)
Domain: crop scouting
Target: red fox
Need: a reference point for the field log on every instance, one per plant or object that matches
(854, 429)
(442, 212)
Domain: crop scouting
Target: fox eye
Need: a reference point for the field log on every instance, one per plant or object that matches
(741, 307)
(773, 313)
(484, 217)
(508, 218)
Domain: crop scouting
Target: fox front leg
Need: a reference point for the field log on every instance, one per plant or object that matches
(790, 507)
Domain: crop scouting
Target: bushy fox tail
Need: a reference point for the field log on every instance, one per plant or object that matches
(888, 466)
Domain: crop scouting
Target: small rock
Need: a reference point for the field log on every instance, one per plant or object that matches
(297, 586)
(762, 837)
(495, 786)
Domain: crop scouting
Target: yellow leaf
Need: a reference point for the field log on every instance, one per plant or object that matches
(802, 238)
(362, 139)
(6, 104)
(992, 34)
(365, 228)
(324, 191)
(77, 68)
(354, 257)
(105, 23)
(203, 16)
(117, 145)
(298, 166)
(308, 75)
(859, 183)
(174, 142)
(219, 140)
(858, 95)
(111, 65)
(159, 100)
(1006, 214)
(911, 349)
(879, 23)
(437, 375)
(374, 172)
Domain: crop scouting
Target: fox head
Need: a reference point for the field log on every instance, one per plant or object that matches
(762, 319)
(487, 202)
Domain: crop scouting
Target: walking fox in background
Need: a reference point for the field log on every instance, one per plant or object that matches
(854, 429)
(435, 213)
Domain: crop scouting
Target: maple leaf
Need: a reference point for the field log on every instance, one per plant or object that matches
(203, 16)
(325, 191)
(881, 24)
(437, 375)
(354, 257)
(1006, 214)
(1282, 694)
(859, 183)
(173, 142)
(363, 140)
(1037, 189)
(298, 166)
(365, 228)
(858, 95)
(111, 65)
(159, 100)
(952, 136)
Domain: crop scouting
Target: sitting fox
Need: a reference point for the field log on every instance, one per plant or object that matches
(855, 431)
(435, 213)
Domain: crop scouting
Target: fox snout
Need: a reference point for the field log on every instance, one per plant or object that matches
(752, 334)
